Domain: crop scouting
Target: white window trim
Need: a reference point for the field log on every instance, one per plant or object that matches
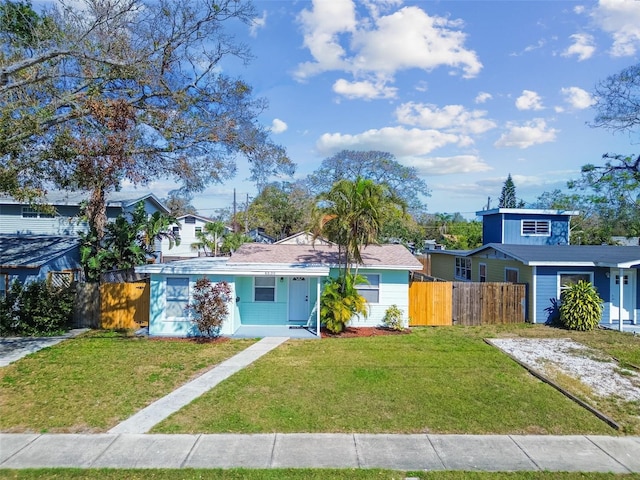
(166, 299)
(569, 272)
(275, 289)
(536, 222)
(511, 269)
(463, 269)
(369, 286)
(30, 212)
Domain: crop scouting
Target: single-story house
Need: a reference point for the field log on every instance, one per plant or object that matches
(546, 269)
(38, 257)
(276, 286)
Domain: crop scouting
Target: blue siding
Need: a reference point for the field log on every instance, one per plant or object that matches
(507, 228)
(547, 289)
(492, 229)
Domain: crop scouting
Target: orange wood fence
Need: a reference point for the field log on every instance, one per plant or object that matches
(124, 305)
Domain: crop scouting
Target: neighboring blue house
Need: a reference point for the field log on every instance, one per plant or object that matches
(276, 287)
(36, 244)
(532, 247)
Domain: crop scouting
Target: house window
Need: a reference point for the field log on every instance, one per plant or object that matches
(625, 279)
(190, 220)
(536, 227)
(198, 229)
(4, 285)
(565, 279)
(29, 212)
(60, 279)
(463, 269)
(264, 289)
(177, 297)
(482, 272)
(370, 291)
(511, 275)
(176, 231)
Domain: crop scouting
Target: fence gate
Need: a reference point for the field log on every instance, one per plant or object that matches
(430, 303)
(124, 305)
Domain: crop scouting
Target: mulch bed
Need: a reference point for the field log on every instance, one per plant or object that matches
(353, 332)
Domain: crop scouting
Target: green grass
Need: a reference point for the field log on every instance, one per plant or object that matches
(93, 382)
(295, 474)
(435, 380)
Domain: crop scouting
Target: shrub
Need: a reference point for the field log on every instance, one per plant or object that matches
(36, 309)
(580, 307)
(340, 301)
(210, 306)
(393, 318)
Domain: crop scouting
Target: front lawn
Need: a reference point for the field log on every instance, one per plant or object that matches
(435, 380)
(91, 383)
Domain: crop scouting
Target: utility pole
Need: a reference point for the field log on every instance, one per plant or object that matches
(234, 225)
(246, 216)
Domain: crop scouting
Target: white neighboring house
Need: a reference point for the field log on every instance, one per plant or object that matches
(185, 230)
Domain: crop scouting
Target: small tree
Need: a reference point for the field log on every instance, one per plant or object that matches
(340, 301)
(508, 195)
(210, 306)
(581, 306)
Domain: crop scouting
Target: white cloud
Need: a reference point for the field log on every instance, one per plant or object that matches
(582, 46)
(578, 98)
(529, 100)
(621, 19)
(380, 45)
(400, 141)
(527, 135)
(278, 126)
(257, 24)
(482, 97)
(366, 90)
(447, 165)
(452, 118)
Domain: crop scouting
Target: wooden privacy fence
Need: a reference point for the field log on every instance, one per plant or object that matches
(124, 305)
(466, 303)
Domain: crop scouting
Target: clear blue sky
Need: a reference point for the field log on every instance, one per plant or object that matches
(465, 91)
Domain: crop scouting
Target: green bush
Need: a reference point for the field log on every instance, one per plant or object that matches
(580, 306)
(340, 301)
(36, 309)
(393, 318)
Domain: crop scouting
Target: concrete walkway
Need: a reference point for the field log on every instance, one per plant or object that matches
(148, 417)
(301, 450)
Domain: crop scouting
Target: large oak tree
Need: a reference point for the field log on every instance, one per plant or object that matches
(100, 93)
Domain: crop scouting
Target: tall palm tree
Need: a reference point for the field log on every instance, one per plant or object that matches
(209, 238)
(350, 215)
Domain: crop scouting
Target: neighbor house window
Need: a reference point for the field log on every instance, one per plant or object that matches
(177, 297)
(463, 268)
(29, 212)
(370, 291)
(511, 275)
(566, 279)
(482, 272)
(264, 289)
(536, 227)
(198, 229)
(4, 285)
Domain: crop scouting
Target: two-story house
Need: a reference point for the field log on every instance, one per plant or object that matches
(533, 247)
(36, 243)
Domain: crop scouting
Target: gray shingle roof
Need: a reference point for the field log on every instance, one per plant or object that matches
(586, 255)
(33, 251)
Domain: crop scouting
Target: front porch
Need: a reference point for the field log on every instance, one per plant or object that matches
(261, 331)
(626, 326)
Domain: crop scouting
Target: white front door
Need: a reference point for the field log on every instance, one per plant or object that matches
(628, 294)
(298, 299)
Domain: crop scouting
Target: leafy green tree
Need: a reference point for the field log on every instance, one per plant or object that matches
(379, 167)
(281, 211)
(232, 241)
(128, 241)
(340, 301)
(127, 91)
(581, 306)
(179, 203)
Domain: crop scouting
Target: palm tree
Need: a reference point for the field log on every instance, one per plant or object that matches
(209, 237)
(350, 215)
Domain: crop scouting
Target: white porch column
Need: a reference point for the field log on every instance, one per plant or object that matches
(621, 290)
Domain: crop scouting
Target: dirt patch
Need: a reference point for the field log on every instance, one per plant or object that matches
(353, 332)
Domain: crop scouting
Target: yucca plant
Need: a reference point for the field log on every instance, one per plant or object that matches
(340, 301)
(580, 307)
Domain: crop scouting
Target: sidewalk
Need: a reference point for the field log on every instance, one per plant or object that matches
(299, 450)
